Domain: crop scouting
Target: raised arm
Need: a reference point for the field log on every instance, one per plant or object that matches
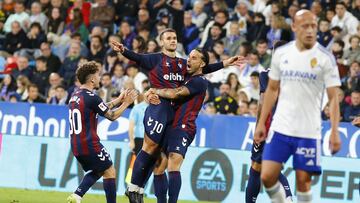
(118, 47)
(127, 101)
(232, 61)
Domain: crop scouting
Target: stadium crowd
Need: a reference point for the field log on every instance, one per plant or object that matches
(42, 42)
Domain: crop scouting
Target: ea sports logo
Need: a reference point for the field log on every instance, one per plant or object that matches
(212, 176)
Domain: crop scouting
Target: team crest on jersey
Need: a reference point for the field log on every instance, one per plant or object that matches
(313, 62)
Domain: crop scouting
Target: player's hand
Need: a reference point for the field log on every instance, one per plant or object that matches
(131, 96)
(335, 142)
(116, 46)
(356, 121)
(235, 61)
(151, 97)
(123, 95)
(260, 134)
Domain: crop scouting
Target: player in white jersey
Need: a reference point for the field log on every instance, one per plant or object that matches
(300, 71)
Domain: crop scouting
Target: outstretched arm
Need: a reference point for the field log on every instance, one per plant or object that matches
(232, 61)
(128, 100)
(118, 47)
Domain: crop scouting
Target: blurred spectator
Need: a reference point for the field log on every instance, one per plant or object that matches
(234, 40)
(233, 81)
(14, 98)
(33, 96)
(55, 24)
(37, 15)
(337, 50)
(243, 109)
(132, 70)
(84, 7)
(60, 96)
(76, 25)
(22, 68)
(215, 35)
(36, 36)
(176, 22)
(7, 87)
(324, 35)
(126, 10)
(279, 30)
(354, 109)
(353, 53)
(107, 88)
(222, 24)
(198, 16)
(53, 62)
(54, 81)
(126, 34)
(243, 16)
(209, 108)
(144, 20)
(330, 14)
(224, 103)
(69, 66)
(22, 83)
(41, 75)
(317, 9)
(264, 57)
(16, 39)
(190, 34)
(252, 66)
(291, 12)
(8, 7)
(258, 30)
(325, 114)
(344, 19)
(356, 9)
(97, 50)
(58, 4)
(254, 87)
(103, 15)
(152, 46)
(118, 76)
(45, 6)
(352, 82)
(20, 16)
(253, 109)
(138, 45)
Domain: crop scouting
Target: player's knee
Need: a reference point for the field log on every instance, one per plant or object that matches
(256, 166)
(175, 161)
(303, 183)
(160, 166)
(109, 173)
(267, 178)
(149, 146)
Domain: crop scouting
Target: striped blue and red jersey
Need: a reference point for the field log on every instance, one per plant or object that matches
(84, 108)
(188, 108)
(165, 71)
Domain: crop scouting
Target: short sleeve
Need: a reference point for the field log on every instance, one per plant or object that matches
(264, 79)
(274, 73)
(196, 85)
(331, 73)
(99, 106)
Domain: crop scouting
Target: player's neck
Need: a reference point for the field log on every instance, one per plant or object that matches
(301, 46)
(171, 54)
(87, 86)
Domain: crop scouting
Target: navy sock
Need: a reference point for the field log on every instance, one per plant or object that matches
(161, 186)
(253, 186)
(283, 180)
(110, 190)
(143, 163)
(174, 186)
(88, 181)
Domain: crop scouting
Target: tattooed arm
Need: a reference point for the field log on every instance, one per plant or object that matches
(173, 93)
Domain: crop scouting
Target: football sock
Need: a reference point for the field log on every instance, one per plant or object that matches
(253, 186)
(283, 180)
(88, 181)
(174, 186)
(304, 197)
(161, 186)
(110, 190)
(276, 193)
(143, 163)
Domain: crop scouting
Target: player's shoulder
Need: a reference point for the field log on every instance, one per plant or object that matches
(325, 54)
(286, 48)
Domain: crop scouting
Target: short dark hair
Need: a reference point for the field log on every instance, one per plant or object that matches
(255, 74)
(85, 70)
(340, 42)
(99, 38)
(324, 20)
(42, 59)
(60, 86)
(165, 31)
(32, 85)
(341, 3)
(261, 41)
(204, 55)
(106, 74)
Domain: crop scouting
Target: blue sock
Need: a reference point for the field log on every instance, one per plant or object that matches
(143, 163)
(174, 186)
(253, 186)
(161, 186)
(110, 190)
(283, 180)
(88, 181)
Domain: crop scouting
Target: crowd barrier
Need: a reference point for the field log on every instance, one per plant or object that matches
(219, 131)
(220, 175)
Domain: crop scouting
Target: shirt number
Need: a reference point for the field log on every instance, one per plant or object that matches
(75, 121)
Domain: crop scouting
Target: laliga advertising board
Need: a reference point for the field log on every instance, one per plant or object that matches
(208, 174)
(212, 131)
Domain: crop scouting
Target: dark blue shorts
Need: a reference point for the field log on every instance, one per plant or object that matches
(95, 162)
(256, 152)
(177, 141)
(306, 152)
(156, 118)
